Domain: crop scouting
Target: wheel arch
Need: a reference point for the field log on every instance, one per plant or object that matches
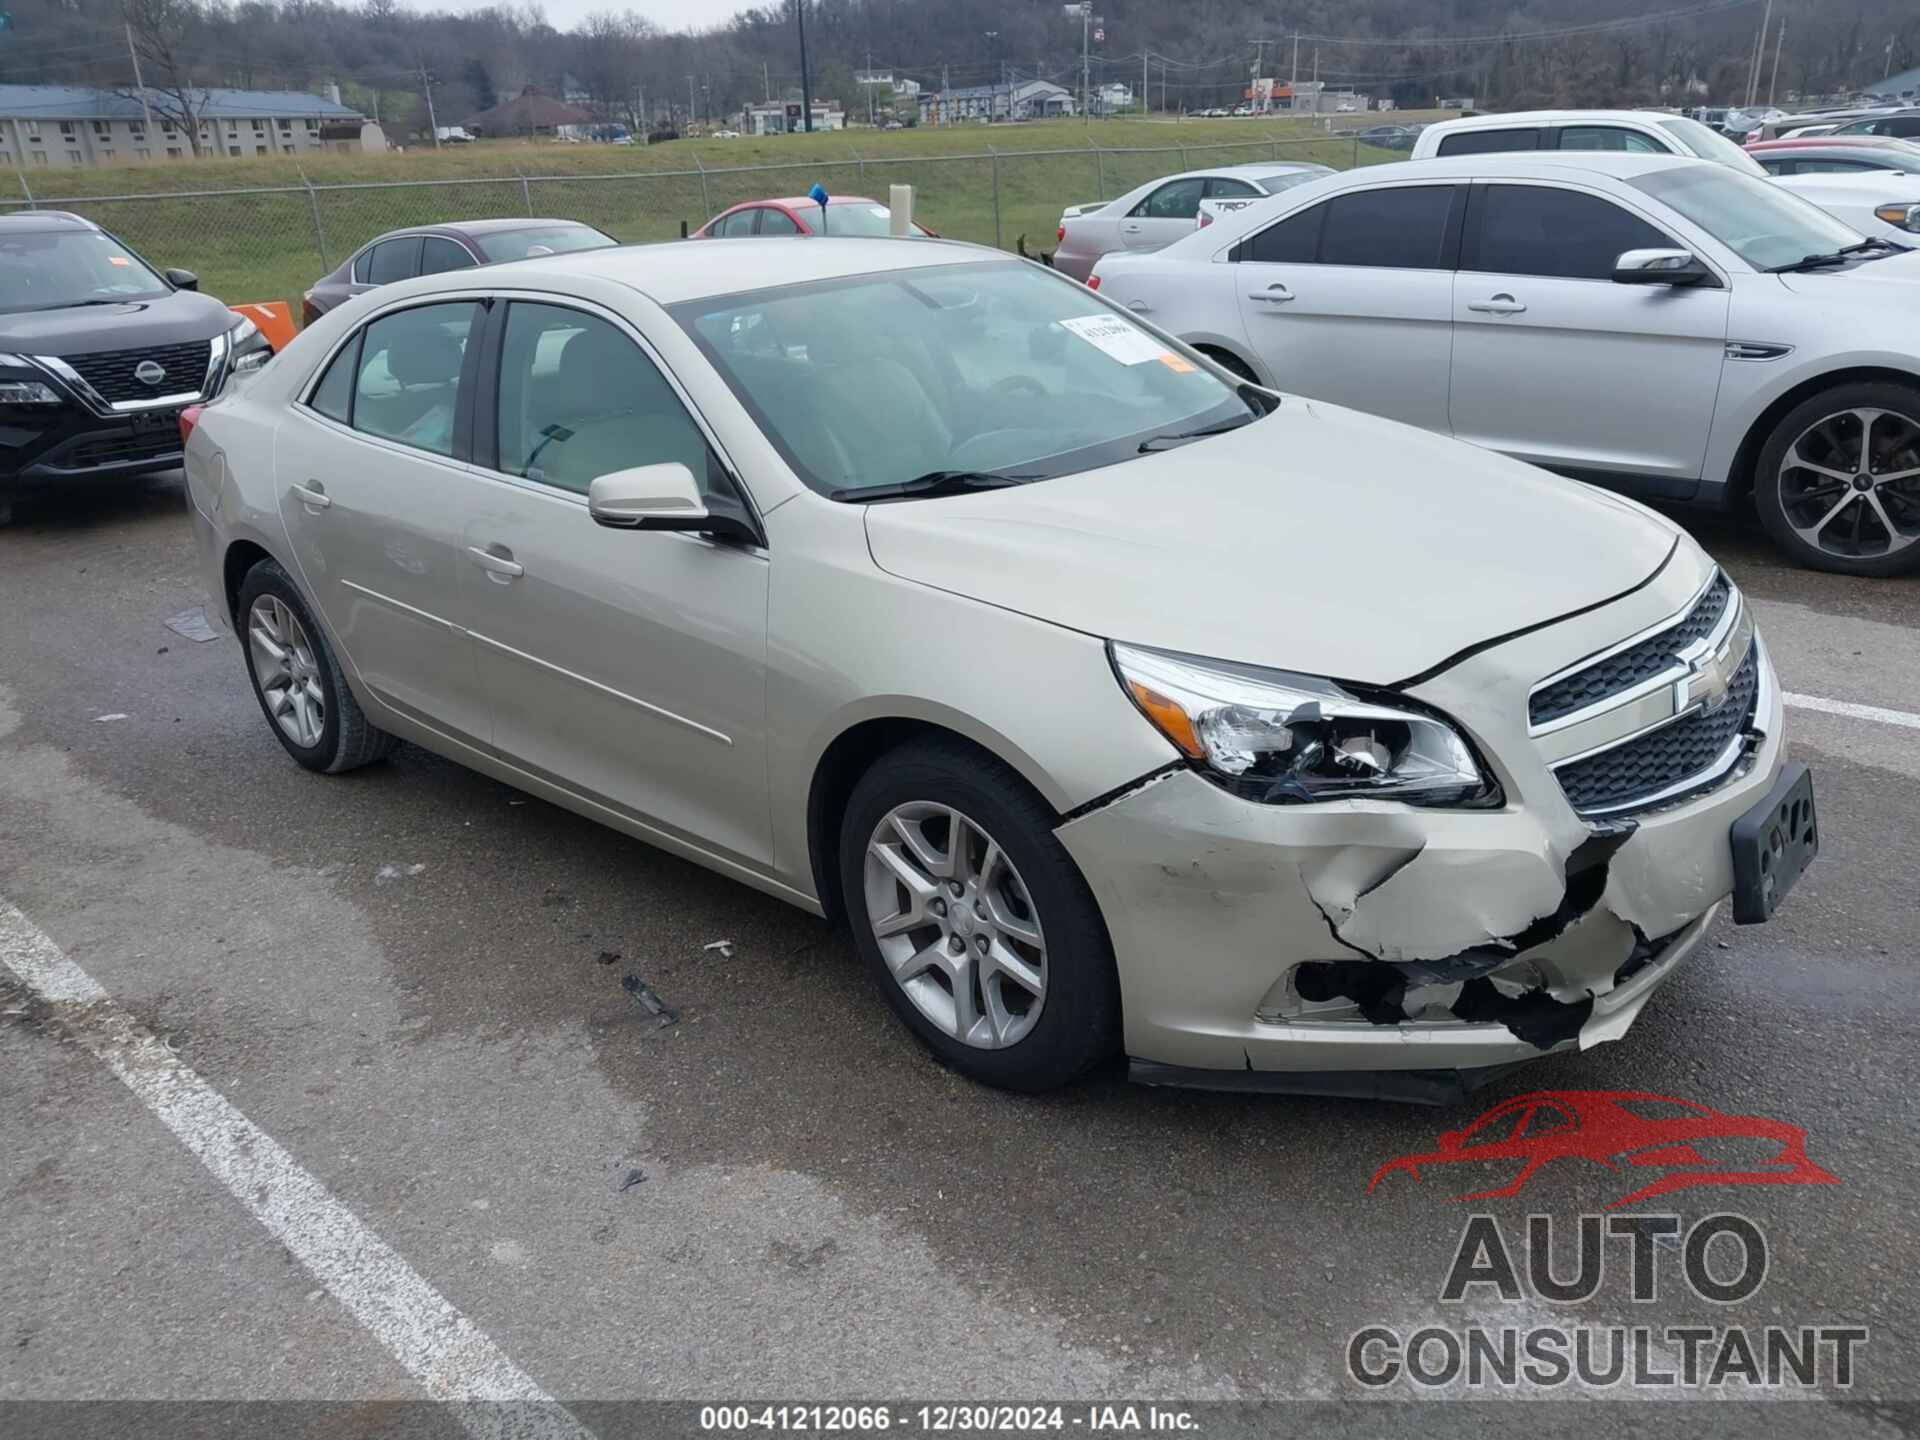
(1742, 474)
(241, 556)
(854, 751)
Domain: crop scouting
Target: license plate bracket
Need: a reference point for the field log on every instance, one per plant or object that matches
(1772, 844)
(146, 422)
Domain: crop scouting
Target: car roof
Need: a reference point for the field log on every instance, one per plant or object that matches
(40, 222)
(800, 201)
(684, 270)
(1522, 164)
(479, 227)
(1843, 142)
(1552, 117)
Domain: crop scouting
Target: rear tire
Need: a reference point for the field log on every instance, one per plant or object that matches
(990, 947)
(297, 681)
(1821, 486)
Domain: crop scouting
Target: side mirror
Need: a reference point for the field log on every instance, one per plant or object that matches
(183, 280)
(1661, 267)
(659, 497)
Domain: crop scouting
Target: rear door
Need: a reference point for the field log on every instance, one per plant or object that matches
(1556, 364)
(1351, 300)
(1167, 213)
(372, 491)
(390, 260)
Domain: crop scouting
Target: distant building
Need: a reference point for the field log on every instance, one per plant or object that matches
(887, 80)
(352, 137)
(1453, 102)
(1110, 98)
(783, 117)
(1896, 87)
(69, 125)
(529, 113)
(1016, 100)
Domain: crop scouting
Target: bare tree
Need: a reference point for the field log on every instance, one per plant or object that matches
(163, 35)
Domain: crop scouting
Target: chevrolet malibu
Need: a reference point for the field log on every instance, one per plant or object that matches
(1120, 707)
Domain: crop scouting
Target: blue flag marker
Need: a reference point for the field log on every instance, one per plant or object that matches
(818, 194)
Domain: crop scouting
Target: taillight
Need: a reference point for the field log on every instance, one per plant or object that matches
(189, 418)
(309, 312)
(1206, 219)
(1059, 234)
(1093, 282)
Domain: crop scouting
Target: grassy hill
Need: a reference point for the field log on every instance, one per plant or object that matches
(265, 246)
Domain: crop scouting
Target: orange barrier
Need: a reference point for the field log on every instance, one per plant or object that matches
(275, 319)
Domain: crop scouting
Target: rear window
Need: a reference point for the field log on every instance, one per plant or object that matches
(545, 240)
(1490, 142)
(857, 218)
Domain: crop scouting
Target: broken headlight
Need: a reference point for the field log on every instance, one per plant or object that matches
(1286, 739)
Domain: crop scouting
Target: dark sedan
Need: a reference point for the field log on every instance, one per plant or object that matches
(431, 249)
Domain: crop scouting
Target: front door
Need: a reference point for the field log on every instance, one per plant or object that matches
(626, 665)
(371, 493)
(1351, 300)
(1556, 364)
(1169, 213)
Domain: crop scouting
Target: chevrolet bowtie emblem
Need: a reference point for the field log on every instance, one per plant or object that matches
(1710, 673)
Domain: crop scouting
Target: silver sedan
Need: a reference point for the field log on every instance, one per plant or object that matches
(1119, 706)
(1164, 210)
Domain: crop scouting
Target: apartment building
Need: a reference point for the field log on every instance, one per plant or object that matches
(54, 126)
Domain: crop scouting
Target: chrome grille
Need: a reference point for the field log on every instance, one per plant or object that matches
(110, 372)
(1654, 768)
(1629, 667)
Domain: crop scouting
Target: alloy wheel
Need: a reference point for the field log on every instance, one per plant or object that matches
(287, 671)
(956, 925)
(1850, 484)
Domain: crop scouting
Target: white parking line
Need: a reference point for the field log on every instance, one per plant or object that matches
(442, 1349)
(1851, 710)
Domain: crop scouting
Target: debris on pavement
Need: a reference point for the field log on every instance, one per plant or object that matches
(725, 947)
(116, 715)
(391, 871)
(644, 996)
(192, 625)
(629, 1180)
(609, 957)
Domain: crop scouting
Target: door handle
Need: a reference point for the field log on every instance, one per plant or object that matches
(1130, 229)
(1274, 294)
(313, 496)
(1501, 304)
(502, 567)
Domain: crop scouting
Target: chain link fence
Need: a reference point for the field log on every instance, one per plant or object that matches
(273, 243)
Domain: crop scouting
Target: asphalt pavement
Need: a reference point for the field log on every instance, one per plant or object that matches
(365, 1109)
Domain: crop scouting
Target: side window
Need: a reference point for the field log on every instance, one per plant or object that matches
(392, 260)
(1489, 142)
(333, 397)
(777, 222)
(578, 400)
(736, 224)
(1221, 188)
(439, 254)
(1780, 167)
(1904, 127)
(407, 380)
(1403, 228)
(1609, 137)
(1294, 241)
(1176, 200)
(1824, 167)
(1531, 230)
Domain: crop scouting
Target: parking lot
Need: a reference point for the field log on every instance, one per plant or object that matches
(439, 1000)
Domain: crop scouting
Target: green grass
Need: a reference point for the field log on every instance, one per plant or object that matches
(264, 246)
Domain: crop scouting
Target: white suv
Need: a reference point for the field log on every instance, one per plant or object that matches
(1874, 204)
(1659, 325)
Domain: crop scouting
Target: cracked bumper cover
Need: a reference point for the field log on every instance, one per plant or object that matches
(1229, 917)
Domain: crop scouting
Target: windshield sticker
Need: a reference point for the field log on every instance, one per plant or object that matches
(120, 260)
(1116, 338)
(1176, 364)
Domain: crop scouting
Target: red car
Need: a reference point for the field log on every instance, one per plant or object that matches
(799, 215)
(1628, 1129)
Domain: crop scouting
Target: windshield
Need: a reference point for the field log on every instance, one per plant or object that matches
(1710, 144)
(549, 240)
(858, 217)
(873, 380)
(44, 270)
(1761, 223)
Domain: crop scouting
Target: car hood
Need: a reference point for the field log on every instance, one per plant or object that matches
(1318, 540)
(1865, 283)
(169, 320)
(1876, 187)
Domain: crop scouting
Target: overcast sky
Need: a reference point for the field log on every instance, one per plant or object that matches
(667, 14)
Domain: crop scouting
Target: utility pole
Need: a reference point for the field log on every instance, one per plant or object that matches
(1316, 79)
(1779, 39)
(806, 81)
(1887, 69)
(766, 79)
(1143, 81)
(693, 112)
(1293, 80)
(147, 110)
(640, 110)
(426, 84)
(1759, 49)
(1086, 61)
(1259, 57)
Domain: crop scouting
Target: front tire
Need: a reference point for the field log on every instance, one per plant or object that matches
(1838, 482)
(298, 682)
(974, 920)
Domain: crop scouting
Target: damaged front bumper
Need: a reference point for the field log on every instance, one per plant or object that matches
(1365, 947)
